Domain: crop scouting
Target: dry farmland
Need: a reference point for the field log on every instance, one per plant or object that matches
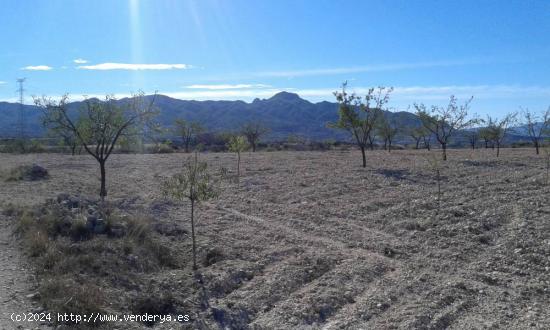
(311, 240)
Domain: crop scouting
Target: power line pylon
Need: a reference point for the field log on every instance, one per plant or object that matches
(21, 122)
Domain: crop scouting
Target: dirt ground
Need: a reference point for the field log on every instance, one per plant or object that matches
(311, 240)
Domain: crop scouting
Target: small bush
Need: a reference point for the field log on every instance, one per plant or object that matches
(212, 256)
(36, 242)
(26, 172)
(62, 295)
(154, 304)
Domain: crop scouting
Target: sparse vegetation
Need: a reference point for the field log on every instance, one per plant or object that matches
(387, 130)
(25, 173)
(443, 122)
(497, 129)
(99, 125)
(195, 184)
(359, 117)
(537, 126)
(237, 144)
(188, 131)
(253, 131)
(71, 253)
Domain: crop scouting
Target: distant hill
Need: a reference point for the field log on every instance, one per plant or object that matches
(284, 113)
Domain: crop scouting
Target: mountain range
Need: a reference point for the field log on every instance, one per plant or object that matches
(284, 114)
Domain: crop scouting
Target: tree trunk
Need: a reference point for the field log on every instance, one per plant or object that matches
(498, 149)
(537, 147)
(389, 146)
(103, 190)
(364, 156)
(417, 143)
(253, 144)
(371, 142)
(385, 144)
(444, 147)
(186, 145)
(73, 149)
(193, 234)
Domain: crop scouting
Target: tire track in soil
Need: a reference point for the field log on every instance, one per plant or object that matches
(335, 249)
(314, 239)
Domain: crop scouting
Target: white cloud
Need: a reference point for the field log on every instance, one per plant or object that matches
(37, 68)
(80, 61)
(227, 86)
(128, 66)
(2, 82)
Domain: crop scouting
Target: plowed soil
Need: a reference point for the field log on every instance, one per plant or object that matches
(311, 240)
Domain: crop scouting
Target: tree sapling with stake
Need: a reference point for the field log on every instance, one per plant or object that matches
(195, 184)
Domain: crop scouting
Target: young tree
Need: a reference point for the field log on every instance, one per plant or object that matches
(435, 165)
(253, 131)
(498, 128)
(99, 124)
(237, 143)
(188, 131)
(66, 139)
(417, 134)
(359, 117)
(485, 134)
(473, 137)
(443, 122)
(387, 129)
(195, 184)
(537, 126)
(427, 139)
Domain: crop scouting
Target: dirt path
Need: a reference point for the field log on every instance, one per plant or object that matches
(16, 283)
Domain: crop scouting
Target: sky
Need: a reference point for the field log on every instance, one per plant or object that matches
(496, 51)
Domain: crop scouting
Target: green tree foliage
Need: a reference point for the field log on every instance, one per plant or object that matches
(237, 144)
(419, 133)
(188, 131)
(359, 116)
(443, 122)
(387, 129)
(195, 184)
(99, 124)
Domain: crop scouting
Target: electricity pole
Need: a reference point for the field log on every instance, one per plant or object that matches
(21, 123)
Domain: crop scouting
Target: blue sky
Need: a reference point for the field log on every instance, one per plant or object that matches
(497, 51)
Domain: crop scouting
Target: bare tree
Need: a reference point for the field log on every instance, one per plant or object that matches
(187, 130)
(443, 122)
(253, 131)
(473, 137)
(195, 184)
(99, 125)
(359, 117)
(537, 126)
(498, 128)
